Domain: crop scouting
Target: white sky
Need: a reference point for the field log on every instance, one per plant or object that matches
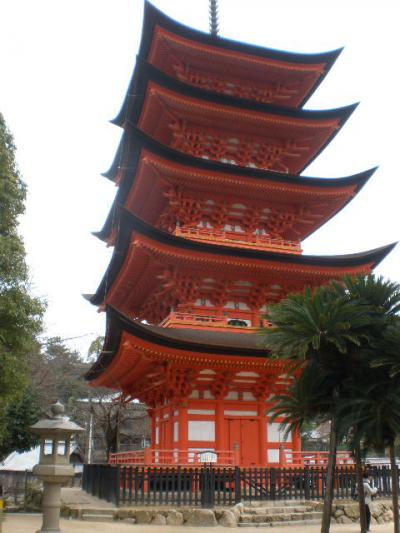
(65, 67)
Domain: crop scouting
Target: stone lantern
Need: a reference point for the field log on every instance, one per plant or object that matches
(54, 469)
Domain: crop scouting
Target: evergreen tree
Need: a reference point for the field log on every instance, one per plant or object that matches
(57, 373)
(19, 417)
(20, 312)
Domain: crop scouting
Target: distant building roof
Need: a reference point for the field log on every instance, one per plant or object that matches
(21, 461)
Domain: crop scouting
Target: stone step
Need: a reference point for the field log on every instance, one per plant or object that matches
(277, 510)
(92, 517)
(99, 510)
(312, 522)
(277, 503)
(281, 517)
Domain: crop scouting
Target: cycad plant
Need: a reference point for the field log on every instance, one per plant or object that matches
(317, 331)
(373, 417)
(375, 407)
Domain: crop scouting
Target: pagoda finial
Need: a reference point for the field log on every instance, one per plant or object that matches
(213, 8)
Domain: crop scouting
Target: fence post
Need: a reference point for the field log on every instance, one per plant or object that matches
(207, 488)
(306, 483)
(238, 488)
(117, 484)
(96, 481)
(272, 478)
(91, 474)
(84, 472)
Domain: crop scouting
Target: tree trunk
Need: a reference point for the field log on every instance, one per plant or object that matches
(360, 488)
(395, 488)
(330, 474)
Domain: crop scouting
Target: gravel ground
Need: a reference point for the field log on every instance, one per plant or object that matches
(31, 523)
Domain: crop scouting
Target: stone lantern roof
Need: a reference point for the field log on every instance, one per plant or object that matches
(56, 422)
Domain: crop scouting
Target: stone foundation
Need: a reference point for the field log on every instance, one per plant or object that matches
(347, 513)
(343, 512)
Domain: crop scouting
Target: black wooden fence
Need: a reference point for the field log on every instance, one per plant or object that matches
(209, 486)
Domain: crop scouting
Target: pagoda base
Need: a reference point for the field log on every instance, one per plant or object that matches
(238, 430)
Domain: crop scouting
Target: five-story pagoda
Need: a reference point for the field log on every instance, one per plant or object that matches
(207, 226)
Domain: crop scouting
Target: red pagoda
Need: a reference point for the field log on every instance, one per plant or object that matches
(207, 226)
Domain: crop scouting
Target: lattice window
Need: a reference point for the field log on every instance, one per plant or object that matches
(266, 93)
(239, 150)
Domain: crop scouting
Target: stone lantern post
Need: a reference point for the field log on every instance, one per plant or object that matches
(54, 469)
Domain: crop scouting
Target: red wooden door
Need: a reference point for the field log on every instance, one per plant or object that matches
(244, 433)
(250, 448)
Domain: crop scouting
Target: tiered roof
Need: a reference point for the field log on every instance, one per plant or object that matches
(210, 117)
(143, 278)
(153, 363)
(227, 67)
(204, 124)
(147, 172)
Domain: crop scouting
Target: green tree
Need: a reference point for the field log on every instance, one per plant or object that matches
(374, 418)
(20, 312)
(316, 331)
(95, 348)
(362, 391)
(20, 416)
(303, 403)
(57, 373)
(373, 406)
(387, 359)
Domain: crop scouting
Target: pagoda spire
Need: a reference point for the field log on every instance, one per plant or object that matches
(213, 11)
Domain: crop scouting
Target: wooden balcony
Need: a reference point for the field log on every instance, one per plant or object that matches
(242, 240)
(183, 320)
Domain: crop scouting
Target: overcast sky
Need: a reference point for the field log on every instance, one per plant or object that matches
(65, 67)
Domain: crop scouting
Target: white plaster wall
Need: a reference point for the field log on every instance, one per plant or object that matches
(201, 430)
(273, 456)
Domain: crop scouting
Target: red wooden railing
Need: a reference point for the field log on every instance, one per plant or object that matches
(231, 238)
(151, 457)
(289, 458)
(208, 321)
(226, 458)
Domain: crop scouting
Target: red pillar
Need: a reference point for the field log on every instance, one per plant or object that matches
(152, 416)
(282, 456)
(296, 444)
(155, 424)
(262, 424)
(169, 441)
(220, 436)
(296, 441)
(183, 433)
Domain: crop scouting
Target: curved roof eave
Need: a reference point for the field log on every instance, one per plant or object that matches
(145, 72)
(131, 223)
(134, 139)
(209, 342)
(153, 16)
(141, 140)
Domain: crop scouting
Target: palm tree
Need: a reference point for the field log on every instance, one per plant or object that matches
(303, 401)
(388, 351)
(320, 328)
(374, 416)
(377, 414)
